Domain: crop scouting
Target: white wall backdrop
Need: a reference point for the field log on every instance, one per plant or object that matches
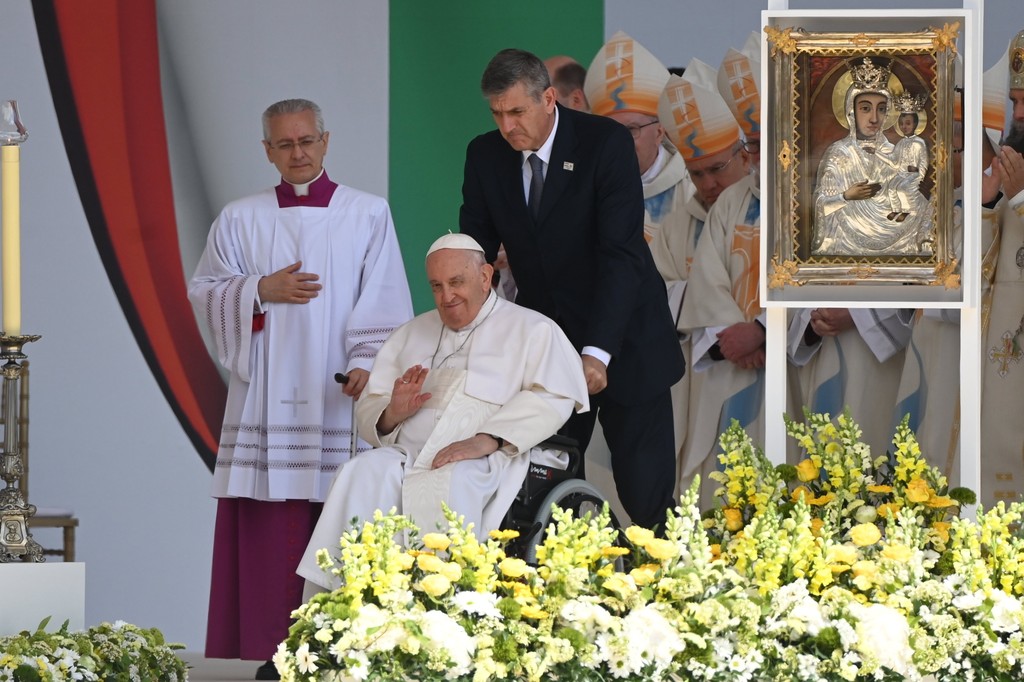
(104, 441)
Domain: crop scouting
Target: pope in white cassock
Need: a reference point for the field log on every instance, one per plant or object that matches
(296, 283)
(457, 400)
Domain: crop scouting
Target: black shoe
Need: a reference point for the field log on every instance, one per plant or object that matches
(267, 671)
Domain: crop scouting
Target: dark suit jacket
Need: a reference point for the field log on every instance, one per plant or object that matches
(584, 262)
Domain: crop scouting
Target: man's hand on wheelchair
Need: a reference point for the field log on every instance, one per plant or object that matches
(406, 399)
(357, 379)
(474, 447)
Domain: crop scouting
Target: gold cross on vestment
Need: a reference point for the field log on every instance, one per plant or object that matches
(1004, 354)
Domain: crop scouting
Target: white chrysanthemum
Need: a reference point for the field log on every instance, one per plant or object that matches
(808, 612)
(357, 669)
(306, 659)
(650, 632)
(586, 616)
(1006, 612)
(477, 603)
(443, 634)
(621, 659)
(884, 635)
(969, 602)
(847, 635)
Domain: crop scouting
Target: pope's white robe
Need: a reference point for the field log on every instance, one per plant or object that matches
(287, 425)
(673, 219)
(511, 373)
(1002, 374)
(859, 368)
(722, 291)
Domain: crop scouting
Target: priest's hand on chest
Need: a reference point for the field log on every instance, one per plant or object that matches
(474, 447)
(289, 285)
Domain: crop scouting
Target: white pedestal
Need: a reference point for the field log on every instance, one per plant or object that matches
(31, 592)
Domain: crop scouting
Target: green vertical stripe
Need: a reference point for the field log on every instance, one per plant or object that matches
(438, 50)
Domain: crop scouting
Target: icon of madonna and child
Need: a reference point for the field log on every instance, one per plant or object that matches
(868, 196)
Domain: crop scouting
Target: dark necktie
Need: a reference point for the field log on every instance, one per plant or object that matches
(536, 184)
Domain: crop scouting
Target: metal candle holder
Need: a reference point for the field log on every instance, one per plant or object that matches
(16, 541)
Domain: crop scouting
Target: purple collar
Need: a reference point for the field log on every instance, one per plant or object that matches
(320, 193)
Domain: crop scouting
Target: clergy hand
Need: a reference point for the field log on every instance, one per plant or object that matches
(406, 399)
(475, 447)
(862, 190)
(831, 321)
(595, 373)
(990, 183)
(1011, 171)
(740, 340)
(288, 285)
(754, 360)
(357, 379)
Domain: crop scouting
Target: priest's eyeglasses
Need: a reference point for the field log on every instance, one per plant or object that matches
(717, 169)
(634, 130)
(305, 144)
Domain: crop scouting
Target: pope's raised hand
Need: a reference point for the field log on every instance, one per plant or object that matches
(288, 285)
(407, 397)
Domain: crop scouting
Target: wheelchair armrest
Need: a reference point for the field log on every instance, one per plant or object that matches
(559, 442)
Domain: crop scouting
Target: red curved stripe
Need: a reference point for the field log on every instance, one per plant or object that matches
(112, 116)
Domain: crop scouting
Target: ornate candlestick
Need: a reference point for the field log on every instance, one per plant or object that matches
(15, 539)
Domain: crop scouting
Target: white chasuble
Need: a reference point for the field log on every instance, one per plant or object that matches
(287, 425)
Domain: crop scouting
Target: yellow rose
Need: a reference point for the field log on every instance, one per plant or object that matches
(807, 471)
(941, 529)
(644, 575)
(452, 571)
(884, 509)
(842, 554)
(512, 567)
(801, 491)
(899, 553)
(533, 612)
(733, 519)
(864, 574)
(662, 549)
(620, 585)
(638, 535)
(435, 585)
(405, 561)
(864, 534)
(816, 525)
(918, 491)
(436, 541)
(429, 563)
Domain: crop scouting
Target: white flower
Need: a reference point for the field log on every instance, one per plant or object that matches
(305, 659)
(357, 668)
(808, 612)
(443, 634)
(969, 602)
(477, 603)
(1006, 612)
(884, 634)
(648, 631)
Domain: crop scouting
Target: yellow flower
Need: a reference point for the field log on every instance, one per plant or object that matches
(639, 536)
(900, 553)
(864, 574)
(644, 575)
(884, 509)
(918, 491)
(806, 471)
(733, 519)
(452, 571)
(435, 585)
(941, 528)
(405, 561)
(821, 501)
(662, 549)
(864, 534)
(841, 554)
(620, 585)
(613, 551)
(801, 491)
(880, 488)
(503, 535)
(716, 551)
(429, 563)
(436, 541)
(512, 567)
(533, 612)
(937, 502)
(816, 525)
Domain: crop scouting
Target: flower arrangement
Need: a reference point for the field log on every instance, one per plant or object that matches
(843, 568)
(118, 651)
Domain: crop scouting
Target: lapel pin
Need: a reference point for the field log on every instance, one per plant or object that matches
(567, 165)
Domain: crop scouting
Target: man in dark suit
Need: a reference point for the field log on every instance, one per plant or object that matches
(573, 233)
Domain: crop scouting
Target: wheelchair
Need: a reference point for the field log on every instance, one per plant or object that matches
(530, 513)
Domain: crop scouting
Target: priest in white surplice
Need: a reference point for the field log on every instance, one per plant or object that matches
(456, 400)
(296, 283)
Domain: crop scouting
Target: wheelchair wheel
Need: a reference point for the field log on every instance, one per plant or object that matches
(575, 494)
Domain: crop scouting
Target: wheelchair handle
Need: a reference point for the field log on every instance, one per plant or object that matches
(341, 378)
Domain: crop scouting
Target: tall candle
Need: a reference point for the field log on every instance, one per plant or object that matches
(11, 238)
